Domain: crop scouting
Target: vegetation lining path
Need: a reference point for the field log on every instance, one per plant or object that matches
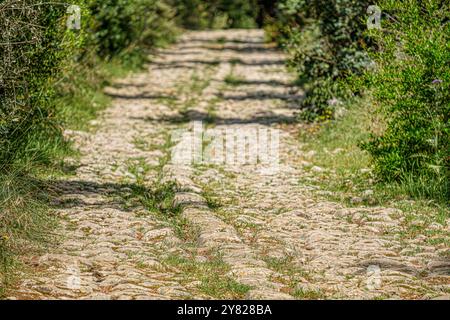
(224, 231)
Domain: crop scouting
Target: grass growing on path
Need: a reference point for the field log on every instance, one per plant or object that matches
(210, 276)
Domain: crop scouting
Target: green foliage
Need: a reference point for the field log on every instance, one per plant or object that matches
(24, 220)
(35, 48)
(41, 54)
(200, 14)
(123, 25)
(404, 66)
(411, 84)
(30, 64)
(325, 40)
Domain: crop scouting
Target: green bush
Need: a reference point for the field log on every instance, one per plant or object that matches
(40, 52)
(325, 40)
(32, 60)
(404, 66)
(200, 14)
(119, 25)
(411, 84)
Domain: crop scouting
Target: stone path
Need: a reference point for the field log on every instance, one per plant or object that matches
(255, 229)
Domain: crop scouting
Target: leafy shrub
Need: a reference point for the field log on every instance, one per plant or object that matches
(200, 14)
(122, 24)
(404, 66)
(40, 51)
(411, 84)
(31, 61)
(32, 58)
(325, 40)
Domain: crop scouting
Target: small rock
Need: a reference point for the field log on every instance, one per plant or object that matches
(99, 297)
(306, 286)
(435, 226)
(416, 223)
(245, 219)
(194, 284)
(151, 263)
(441, 298)
(338, 150)
(356, 200)
(439, 265)
(267, 294)
(130, 175)
(317, 169)
(339, 112)
(188, 199)
(157, 234)
(44, 289)
(310, 154)
(305, 163)
(201, 259)
(302, 213)
(325, 193)
(359, 217)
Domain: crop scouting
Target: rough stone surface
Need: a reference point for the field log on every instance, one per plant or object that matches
(268, 226)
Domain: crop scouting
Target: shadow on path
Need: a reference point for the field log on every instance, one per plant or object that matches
(262, 118)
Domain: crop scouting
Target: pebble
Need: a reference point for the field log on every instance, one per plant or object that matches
(317, 169)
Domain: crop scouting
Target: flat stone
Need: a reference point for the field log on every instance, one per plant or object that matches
(267, 295)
